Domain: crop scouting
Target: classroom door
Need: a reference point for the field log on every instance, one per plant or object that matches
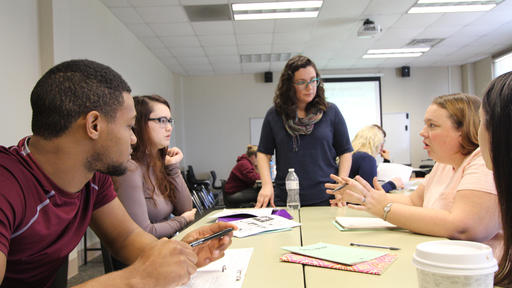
(398, 139)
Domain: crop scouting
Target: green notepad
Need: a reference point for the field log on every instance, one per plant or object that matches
(335, 253)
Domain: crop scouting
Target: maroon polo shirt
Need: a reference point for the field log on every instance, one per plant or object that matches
(40, 224)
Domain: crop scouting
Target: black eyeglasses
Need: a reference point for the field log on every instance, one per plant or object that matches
(163, 121)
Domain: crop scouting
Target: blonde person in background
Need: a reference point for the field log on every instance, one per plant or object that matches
(367, 144)
(458, 198)
(243, 177)
(153, 187)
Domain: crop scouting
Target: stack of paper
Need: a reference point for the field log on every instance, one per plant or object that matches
(262, 224)
(228, 272)
(363, 223)
(340, 257)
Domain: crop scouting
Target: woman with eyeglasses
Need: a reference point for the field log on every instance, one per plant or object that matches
(153, 190)
(307, 133)
(496, 142)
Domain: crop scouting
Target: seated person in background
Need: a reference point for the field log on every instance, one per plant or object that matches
(367, 143)
(458, 198)
(243, 176)
(153, 187)
(55, 183)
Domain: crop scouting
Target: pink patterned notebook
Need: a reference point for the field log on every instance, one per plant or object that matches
(375, 266)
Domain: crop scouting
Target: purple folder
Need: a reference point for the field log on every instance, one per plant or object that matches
(278, 212)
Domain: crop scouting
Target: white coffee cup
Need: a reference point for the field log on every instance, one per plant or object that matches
(454, 264)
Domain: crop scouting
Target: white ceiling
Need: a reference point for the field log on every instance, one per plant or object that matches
(207, 48)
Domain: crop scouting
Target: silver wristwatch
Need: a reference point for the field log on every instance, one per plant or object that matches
(387, 208)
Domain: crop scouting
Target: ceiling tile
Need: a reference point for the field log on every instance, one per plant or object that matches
(187, 52)
(194, 61)
(127, 15)
(444, 32)
(379, 7)
(228, 60)
(217, 40)
(220, 50)
(181, 41)
(254, 39)
(140, 30)
(174, 29)
(162, 53)
(227, 69)
(456, 19)
(213, 28)
(152, 42)
(149, 3)
(198, 68)
(295, 25)
(203, 2)
(116, 3)
(290, 47)
(343, 9)
(254, 27)
(295, 37)
(418, 21)
(162, 14)
(254, 49)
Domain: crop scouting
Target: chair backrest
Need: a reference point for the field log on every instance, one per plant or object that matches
(214, 179)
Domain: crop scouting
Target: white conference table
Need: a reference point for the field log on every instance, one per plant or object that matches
(265, 269)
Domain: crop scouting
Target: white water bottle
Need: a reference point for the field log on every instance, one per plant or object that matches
(292, 187)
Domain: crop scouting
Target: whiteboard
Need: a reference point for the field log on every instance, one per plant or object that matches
(398, 136)
(255, 127)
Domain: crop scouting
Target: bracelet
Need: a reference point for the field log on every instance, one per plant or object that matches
(387, 208)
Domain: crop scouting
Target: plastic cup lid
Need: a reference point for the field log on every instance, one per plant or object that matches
(455, 254)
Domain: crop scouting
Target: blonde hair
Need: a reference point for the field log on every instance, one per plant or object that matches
(251, 150)
(368, 139)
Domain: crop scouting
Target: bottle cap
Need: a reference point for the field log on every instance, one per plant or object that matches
(291, 170)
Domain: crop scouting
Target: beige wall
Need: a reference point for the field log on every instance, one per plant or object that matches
(482, 75)
(217, 110)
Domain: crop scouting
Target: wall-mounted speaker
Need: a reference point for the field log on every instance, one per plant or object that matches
(405, 71)
(268, 77)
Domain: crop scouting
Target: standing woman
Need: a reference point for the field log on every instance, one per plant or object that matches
(153, 187)
(306, 132)
(496, 144)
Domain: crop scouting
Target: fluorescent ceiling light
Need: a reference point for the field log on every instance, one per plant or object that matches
(401, 50)
(392, 55)
(278, 15)
(276, 5)
(452, 8)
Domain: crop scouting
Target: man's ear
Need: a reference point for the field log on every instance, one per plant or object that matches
(93, 124)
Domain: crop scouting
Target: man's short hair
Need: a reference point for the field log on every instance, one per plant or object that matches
(72, 89)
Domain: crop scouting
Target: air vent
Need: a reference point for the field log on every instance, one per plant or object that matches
(426, 42)
(266, 57)
(200, 13)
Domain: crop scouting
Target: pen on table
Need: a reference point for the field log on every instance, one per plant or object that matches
(339, 187)
(374, 246)
(210, 237)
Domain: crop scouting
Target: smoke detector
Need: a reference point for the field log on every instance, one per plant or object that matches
(369, 29)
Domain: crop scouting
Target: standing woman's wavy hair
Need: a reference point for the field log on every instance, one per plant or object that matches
(285, 99)
(497, 105)
(142, 150)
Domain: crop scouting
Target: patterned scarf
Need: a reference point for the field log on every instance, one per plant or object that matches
(302, 126)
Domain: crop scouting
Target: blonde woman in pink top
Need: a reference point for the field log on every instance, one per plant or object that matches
(458, 198)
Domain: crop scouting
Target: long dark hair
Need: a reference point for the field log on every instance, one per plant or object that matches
(285, 99)
(497, 105)
(142, 150)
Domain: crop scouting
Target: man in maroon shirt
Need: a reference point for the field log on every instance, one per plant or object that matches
(54, 184)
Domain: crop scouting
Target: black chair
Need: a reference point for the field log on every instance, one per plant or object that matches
(214, 179)
(192, 180)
